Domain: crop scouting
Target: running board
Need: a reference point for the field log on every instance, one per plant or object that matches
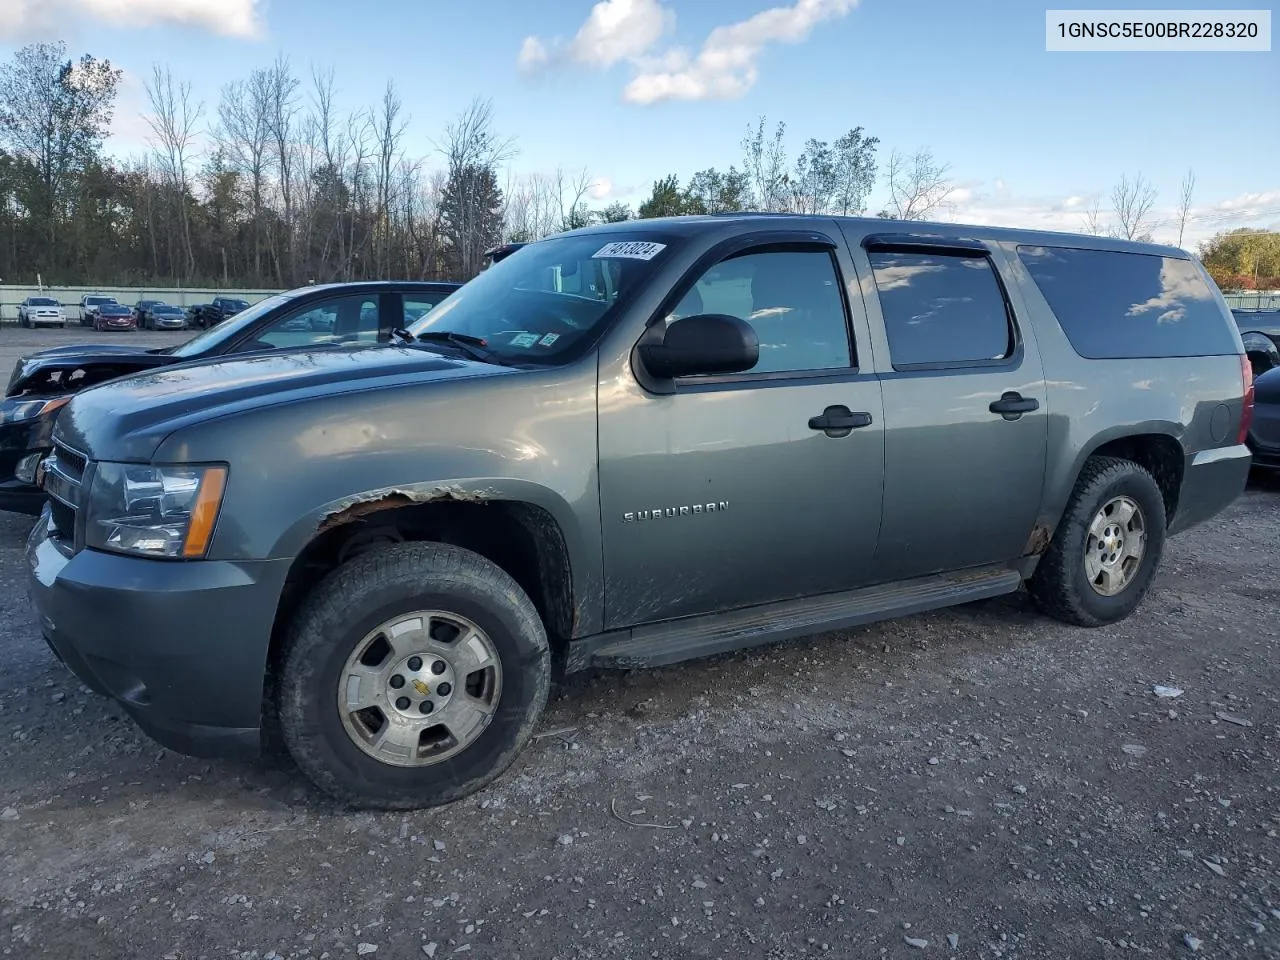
(671, 641)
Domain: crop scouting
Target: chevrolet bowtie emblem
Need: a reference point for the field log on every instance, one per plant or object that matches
(421, 687)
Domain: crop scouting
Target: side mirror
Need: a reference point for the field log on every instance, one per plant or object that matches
(702, 344)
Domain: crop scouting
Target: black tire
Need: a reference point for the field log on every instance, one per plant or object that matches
(1060, 587)
(358, 597)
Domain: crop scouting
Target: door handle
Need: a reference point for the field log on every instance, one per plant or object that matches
(838, 421)
(1013, 405)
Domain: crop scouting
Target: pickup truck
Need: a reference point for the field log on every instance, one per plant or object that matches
(624, 446)
(211, 314)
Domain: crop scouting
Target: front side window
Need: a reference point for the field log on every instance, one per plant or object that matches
(1118, 305)
(791, 298)
(216, 337)
(547, 300)
(351, 319)
(941, 308)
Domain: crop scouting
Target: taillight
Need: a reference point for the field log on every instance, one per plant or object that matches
(1246, 412)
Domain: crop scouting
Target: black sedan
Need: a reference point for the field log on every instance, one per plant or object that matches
(42, 383)
(1264, 430)
(1260, 331)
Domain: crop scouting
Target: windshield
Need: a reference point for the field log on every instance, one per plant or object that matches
(42, 302)
(99, 301)
(215, 336)
(236, 304)
(547, 299)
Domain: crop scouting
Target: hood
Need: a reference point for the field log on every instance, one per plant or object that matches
(127, 419)
(54, 370)
(1266, 388)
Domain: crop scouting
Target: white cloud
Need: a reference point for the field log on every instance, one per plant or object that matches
(619, 30)
(602, 189)
(614, 31)
(1069, 212)
(22, 19)
(726, 66)
(533, 53)
(630, 31)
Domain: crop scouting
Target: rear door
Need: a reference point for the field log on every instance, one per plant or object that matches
(964, 405)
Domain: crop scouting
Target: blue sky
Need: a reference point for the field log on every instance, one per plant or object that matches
(1029, 135)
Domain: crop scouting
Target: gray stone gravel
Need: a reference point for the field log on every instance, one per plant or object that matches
(786, 776)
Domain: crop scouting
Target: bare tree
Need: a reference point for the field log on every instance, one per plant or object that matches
(281, 114)
(1132, 200)
(173, 122)
(765, 163)
(390, 130)
(574, 214)
(471, 203)
(1184, 207)
(1093, 224)
(243, 134)
(918, 185)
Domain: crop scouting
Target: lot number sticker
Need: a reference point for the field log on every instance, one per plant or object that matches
(630, 250)
(523, 340)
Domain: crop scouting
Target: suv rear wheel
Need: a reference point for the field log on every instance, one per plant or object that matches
(413, 676)
(1107, 547)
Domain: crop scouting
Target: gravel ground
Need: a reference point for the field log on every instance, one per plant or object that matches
(978, 782)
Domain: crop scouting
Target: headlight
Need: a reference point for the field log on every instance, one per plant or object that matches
(17, 410)
(154, 511)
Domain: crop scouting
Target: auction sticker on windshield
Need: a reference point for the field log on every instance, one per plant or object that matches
(630, 250)
(523, 340)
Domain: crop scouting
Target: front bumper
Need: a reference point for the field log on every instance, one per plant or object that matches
(181, 645)
(18, 439)
(1211, 482)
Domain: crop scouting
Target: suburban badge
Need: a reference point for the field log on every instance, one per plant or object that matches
(661, 513)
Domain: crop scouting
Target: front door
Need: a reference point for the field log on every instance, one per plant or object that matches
(964, 411)
(734, 490)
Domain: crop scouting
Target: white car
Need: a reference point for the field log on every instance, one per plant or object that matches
(34, 311)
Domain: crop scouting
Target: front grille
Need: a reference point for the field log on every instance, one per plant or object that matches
(73, 462)
(63, 473)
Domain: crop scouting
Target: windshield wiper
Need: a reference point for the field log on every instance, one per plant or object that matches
(473, 347)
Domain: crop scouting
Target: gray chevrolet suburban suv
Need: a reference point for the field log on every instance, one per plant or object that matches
(629, 445)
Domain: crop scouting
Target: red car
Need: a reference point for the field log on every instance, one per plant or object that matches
(114, 316)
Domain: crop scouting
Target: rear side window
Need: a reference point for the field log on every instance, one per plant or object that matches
(940, 308)
(1114, 305)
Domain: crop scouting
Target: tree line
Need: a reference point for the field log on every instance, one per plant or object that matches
(273, 186)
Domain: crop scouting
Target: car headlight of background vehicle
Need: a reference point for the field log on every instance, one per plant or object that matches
(165, 511)
(18, 410)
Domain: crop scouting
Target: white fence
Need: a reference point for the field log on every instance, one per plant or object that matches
(13, 294)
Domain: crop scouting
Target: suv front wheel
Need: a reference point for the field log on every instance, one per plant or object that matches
(1107, 547)
(413, 675)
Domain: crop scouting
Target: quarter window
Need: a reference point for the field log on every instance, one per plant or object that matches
(418, 304)
(1118, 305)
(790, 297)
(941, 308)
